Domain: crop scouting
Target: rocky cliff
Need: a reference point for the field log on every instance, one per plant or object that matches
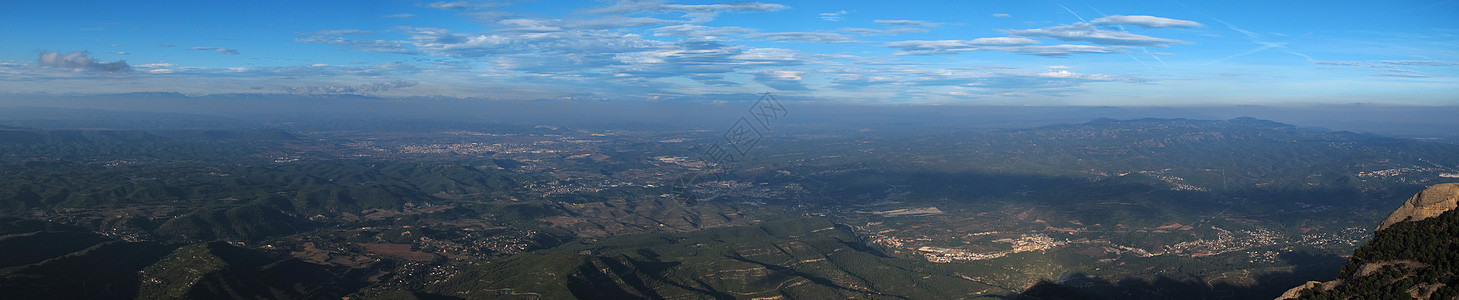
(1429, 203)
(1411, 254)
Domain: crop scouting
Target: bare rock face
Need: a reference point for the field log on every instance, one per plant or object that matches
(1296, 292)
(1431, 202)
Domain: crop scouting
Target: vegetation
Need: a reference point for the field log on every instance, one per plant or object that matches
(1141, 207)
(1409, 259)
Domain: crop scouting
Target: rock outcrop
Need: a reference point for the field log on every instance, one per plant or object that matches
(1410, 260)
(1429, 203)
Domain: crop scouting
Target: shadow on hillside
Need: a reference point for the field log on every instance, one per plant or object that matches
(1074, 286)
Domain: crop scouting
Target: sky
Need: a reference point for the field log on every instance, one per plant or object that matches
(880, 52)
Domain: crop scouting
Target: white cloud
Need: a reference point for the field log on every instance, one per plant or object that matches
(1001, 15)
(780, 79)
(80, 61)
(1084, 32)
(1145, 21)
(399, 16)
(529, 25)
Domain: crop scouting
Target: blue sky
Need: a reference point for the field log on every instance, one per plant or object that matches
(924, 52)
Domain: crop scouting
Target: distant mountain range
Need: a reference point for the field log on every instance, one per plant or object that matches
(1431, 121)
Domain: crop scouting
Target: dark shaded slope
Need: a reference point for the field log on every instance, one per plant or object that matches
(807, 258)
(218, 270)
(243, 223)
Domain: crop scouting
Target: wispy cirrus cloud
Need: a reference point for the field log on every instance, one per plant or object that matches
(858, 81)
(697, 32)
(216, 49)
(833, 16)
(1062, 50)
(695, 12)
(285, 72)
(953, 46)
(1425, 63)
(1387, 63)
(348, 38)
(705, 62)
(1021, 41)
(887, 31)
(442, 42)
(894, 27)
(359, 89)
(1017, 45)
(382, 46)
(1402, 73)
(1336, 62)
(907, 23)
(616, 22)
(461, 5)
(1394, 68)
(342, 32)
(973, 81)
(808, 37)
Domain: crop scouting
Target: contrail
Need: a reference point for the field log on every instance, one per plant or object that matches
(1258, 49)
(1081, 19)
(1258, 39)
